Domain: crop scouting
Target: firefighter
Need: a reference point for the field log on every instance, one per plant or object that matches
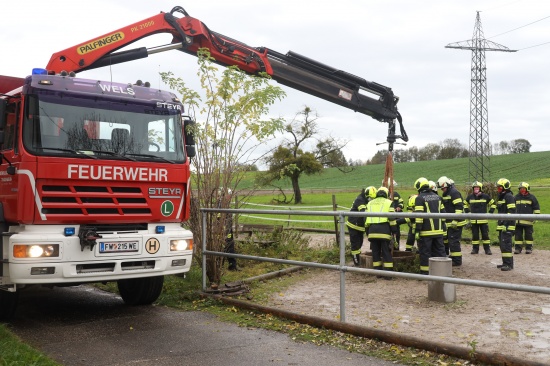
(429, 231)
(356, 225)
(526, 203)
(380, 230)
(409, 244)
(453, 202)
(506, 204)
(479, 202)
(398, 206)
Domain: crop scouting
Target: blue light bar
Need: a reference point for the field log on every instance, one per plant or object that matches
(69, 231)
(39, 71)
(160, 229)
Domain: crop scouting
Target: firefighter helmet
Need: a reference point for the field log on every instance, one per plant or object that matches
(421, 183)
(444, 182)
(477, 184)
(432, 185)
(382, 192)
(504, 183)
(412, 201)
(370, 192)
(525, 185)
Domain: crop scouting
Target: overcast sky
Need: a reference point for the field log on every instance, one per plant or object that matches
(396, 43)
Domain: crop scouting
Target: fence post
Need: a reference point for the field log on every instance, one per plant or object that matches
(440, 291)
(334, 208)
(342, 242)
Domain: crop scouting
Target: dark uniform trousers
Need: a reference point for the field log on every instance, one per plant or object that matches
(429, 246)
(524, 235)
(505, 240)
(454, 236)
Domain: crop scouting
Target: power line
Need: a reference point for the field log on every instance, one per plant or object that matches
(541, 44)
(523, 26)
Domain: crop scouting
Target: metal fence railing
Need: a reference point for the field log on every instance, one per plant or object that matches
(342, 268)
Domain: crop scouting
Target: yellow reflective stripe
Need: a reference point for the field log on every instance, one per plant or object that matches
(507, 255)
(536, 211)
(511, 205)
(358, 251)
(377, 264)
(500, 227)
(455, 254)
(353, 226)
(425, 268)
(379, 236)
(525, 222)
(456, 201)
(388, 264)
(431, 233)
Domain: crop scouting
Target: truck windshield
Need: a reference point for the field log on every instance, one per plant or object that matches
(61, 124)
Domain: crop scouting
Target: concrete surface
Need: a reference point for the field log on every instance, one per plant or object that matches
(85, 326)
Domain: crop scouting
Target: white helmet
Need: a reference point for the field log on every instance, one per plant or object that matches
(444, 182)
(432, 185)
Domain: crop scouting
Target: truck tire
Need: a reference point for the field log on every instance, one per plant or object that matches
(140, 291)
(8, 304)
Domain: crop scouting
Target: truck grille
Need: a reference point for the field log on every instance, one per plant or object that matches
(93, 200)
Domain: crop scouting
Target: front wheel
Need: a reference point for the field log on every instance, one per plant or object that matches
(8, 304)
(140, 291)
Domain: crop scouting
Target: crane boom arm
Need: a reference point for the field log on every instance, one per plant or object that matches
(291, 69)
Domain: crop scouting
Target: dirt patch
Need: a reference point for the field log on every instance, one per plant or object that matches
(509, 322)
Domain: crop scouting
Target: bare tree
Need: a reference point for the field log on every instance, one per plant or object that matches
(290, 160)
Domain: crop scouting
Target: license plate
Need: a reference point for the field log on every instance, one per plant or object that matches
(118, 247)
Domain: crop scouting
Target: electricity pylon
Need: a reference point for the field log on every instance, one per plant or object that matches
(480, 148)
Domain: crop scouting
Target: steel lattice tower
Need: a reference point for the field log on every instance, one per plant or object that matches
(480, 148)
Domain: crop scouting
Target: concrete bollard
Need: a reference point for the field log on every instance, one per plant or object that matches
(439, 291)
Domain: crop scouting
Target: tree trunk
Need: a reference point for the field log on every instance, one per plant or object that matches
(296, 188)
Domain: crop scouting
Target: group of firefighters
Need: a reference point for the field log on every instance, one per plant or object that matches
(441, 237)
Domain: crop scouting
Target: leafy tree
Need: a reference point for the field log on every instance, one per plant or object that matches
(230, 127)
(290, 160)
(452, 149)
(379, 157)
(519, 146)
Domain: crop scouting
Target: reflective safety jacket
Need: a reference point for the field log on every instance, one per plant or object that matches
(527, 204)
(428, 202)
(452, 200)
(506, 204)
(397, 202)
(481, 203)
(359, 205)
(380, 227)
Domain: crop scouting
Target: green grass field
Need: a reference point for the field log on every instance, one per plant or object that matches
(318, 190)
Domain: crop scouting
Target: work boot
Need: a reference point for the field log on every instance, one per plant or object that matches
(518, 249)
(506, 268)
(487, 249)
(528, 249)
(356, 260)
(475, 249)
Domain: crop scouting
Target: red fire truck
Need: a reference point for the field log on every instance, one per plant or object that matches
(94, 175)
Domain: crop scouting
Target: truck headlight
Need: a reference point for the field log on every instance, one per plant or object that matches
(181, 244)
(35, 250)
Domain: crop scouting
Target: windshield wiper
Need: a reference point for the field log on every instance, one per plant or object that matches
(113, 154)
(79, 152)
(153, 157)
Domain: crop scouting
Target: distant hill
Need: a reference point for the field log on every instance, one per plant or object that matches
(531, 167)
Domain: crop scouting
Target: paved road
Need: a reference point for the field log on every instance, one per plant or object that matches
(85, 326)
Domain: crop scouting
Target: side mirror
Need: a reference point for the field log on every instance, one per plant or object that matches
(189, 135)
